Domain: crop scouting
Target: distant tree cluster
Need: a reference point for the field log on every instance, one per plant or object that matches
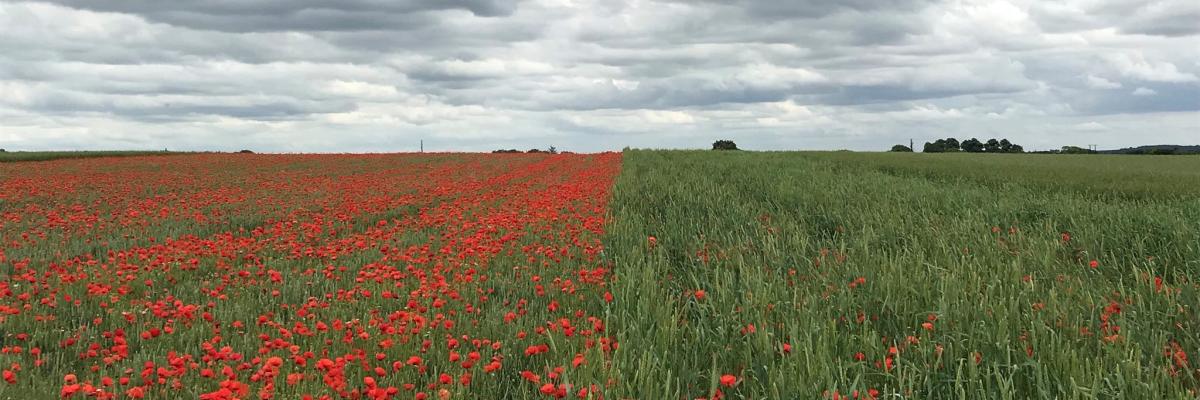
(901, 149)
(948, 145)
(1073, 150)
(1150, 150)
(724, 145)
(550, 150)
(972, 145)
(1164, 150)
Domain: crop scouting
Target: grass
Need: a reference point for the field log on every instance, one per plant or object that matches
(696, 274)
(840, 254)
(17, 156)
(1107, 176)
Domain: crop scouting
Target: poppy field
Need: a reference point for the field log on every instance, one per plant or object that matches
(294, 276)
(634, 275)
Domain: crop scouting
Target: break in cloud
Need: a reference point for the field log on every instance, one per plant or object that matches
(589, 75)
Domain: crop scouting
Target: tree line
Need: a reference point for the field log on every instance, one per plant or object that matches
(551, 150)
(972, 145)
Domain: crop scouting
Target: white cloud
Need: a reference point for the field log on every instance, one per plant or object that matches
(1096, 82)
(1134, 65)
(1092, 126)
(1141, 91)
(768, 76)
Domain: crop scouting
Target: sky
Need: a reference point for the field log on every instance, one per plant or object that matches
(585, 76)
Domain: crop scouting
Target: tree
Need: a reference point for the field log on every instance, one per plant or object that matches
(941, 146)
(1010, 147)
(992, 146)
(972, 145)
(952, 144)
(1075, 150)
(724, 145)
(901, 149)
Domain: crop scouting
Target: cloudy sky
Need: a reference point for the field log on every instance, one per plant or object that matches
(590, 75)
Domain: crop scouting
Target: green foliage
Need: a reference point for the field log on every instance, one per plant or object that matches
(972, 145)
(551, 150)
(15, 156)
(1076, 150)
(992, 146)
(1162, 149)
(948, 145)
(1103, 176)
(901, 149)
(802, 244)
(1010, 147)
(724, 145)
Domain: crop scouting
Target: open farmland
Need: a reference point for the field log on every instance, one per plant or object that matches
(642, 275)
(232, 276)
(21, 156)
(829, 275)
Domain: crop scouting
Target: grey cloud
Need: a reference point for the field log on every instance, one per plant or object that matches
(302, 15)
(772, 9)
(591, 74)
(152, 108)
(1172, 18)
(1172, 23)
(1158, 98)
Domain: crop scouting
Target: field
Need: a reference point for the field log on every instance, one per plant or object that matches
(643, 275)
(922, 276)
(16, 156)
